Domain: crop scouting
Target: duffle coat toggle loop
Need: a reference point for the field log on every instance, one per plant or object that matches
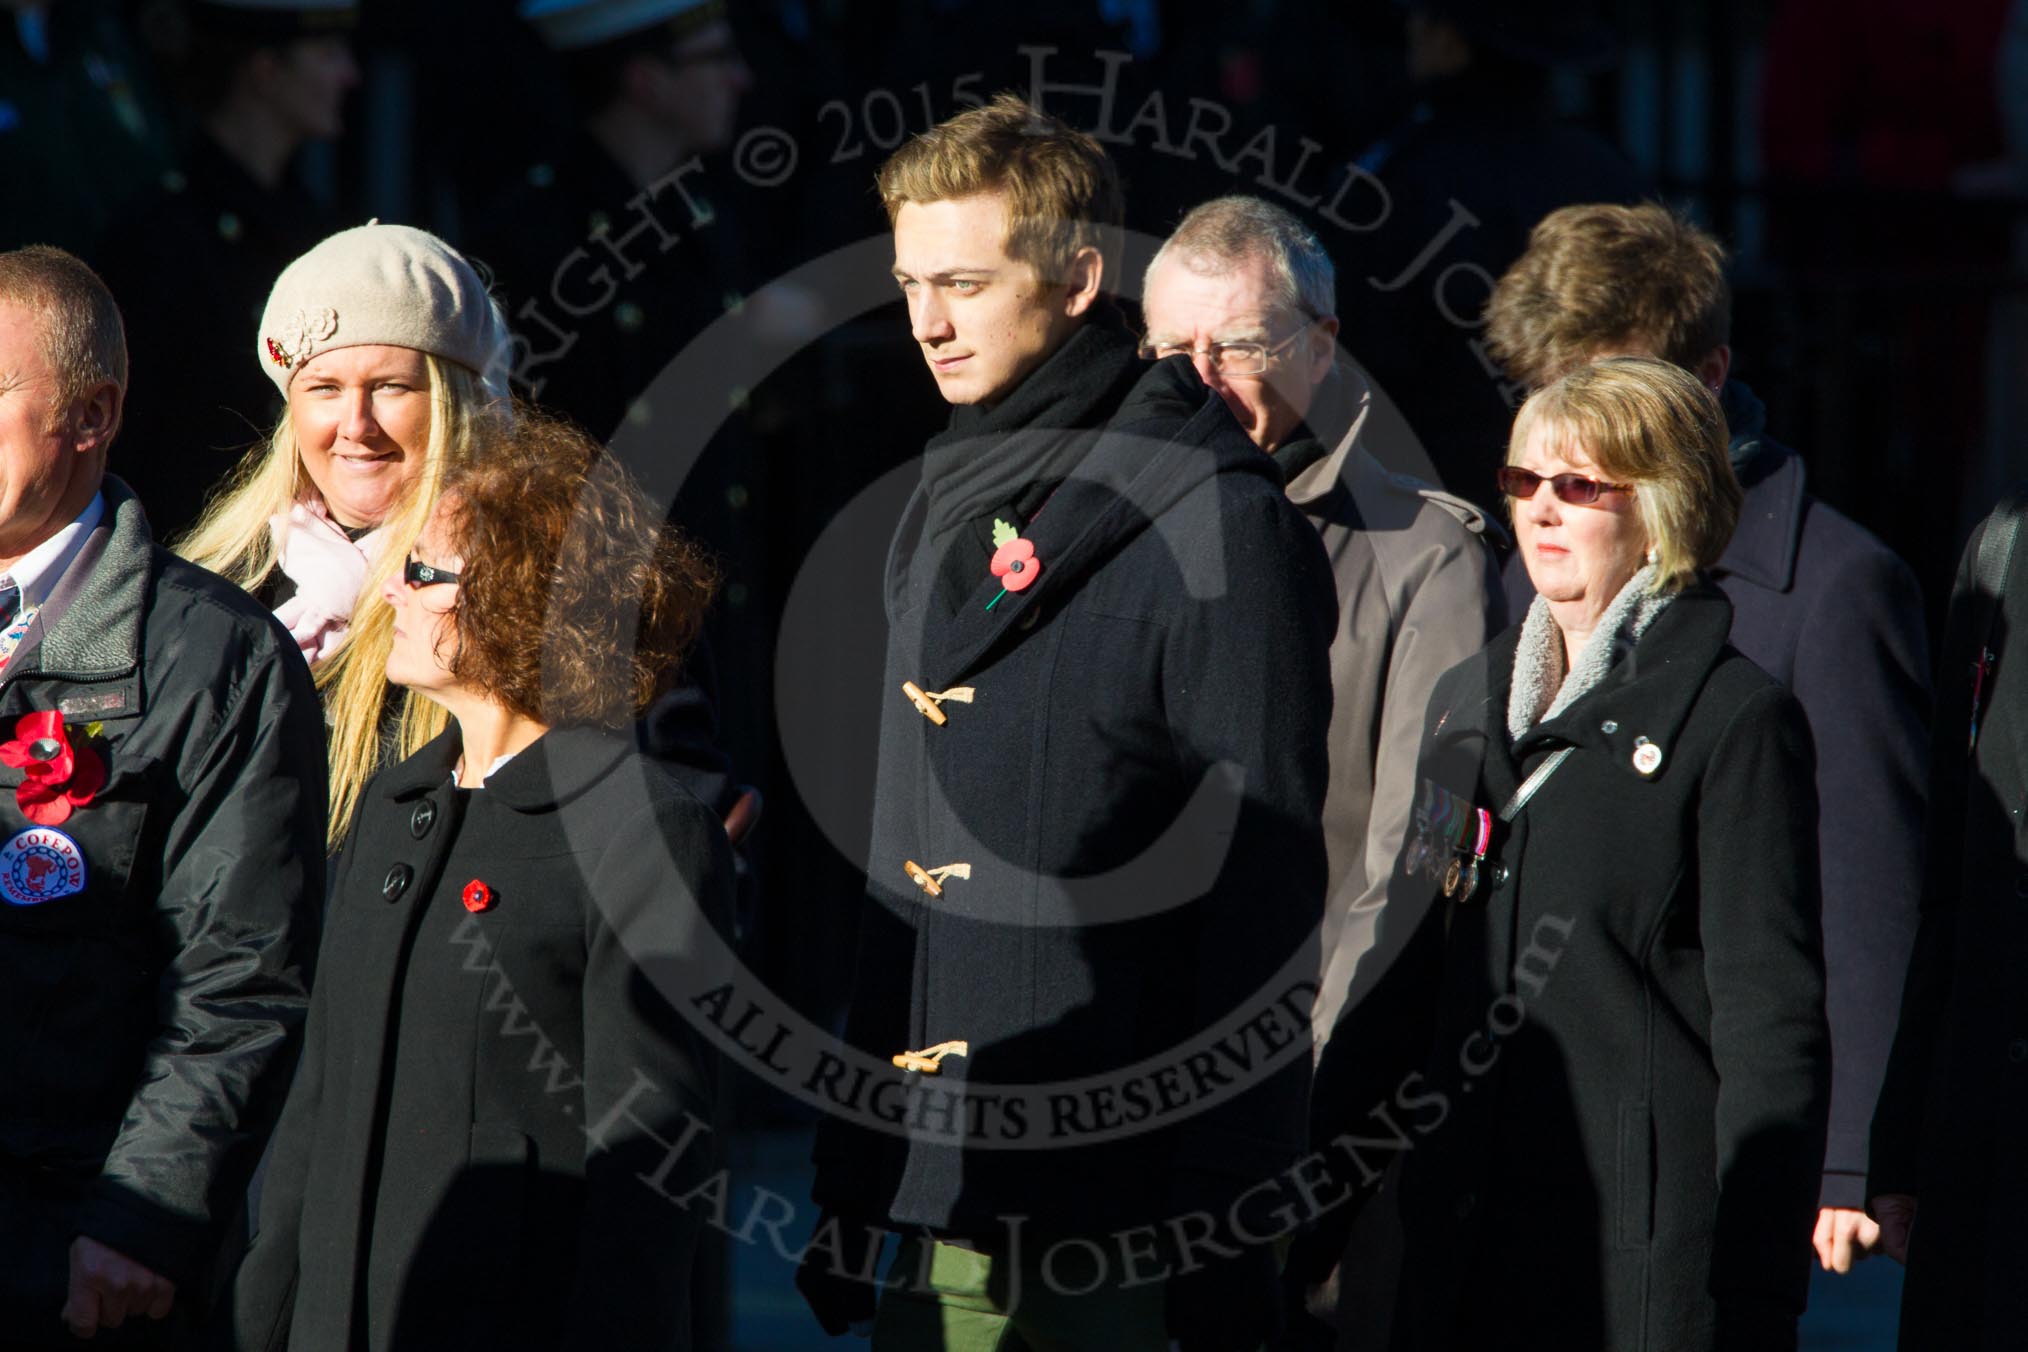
(926, 702)
(931, 880)
(929, 1061)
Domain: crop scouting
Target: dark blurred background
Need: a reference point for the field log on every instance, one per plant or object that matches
(1865, 161)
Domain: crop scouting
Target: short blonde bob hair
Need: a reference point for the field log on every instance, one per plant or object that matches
(1653, 426)
(1063, 194)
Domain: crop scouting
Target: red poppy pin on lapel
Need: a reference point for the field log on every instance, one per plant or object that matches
(58, 777)
(477, 897)
(1015, 564)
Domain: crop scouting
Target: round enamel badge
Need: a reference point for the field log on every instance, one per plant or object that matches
(38, 865)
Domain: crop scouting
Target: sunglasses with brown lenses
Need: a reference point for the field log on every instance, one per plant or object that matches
(1575, 489)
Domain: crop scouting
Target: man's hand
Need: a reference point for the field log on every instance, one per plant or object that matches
(834, 1272)
(1896, 1213)
(1844, 1236)
(106, 1286)
(1228, 1305)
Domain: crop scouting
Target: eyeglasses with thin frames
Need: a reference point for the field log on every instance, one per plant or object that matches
(1230, 359)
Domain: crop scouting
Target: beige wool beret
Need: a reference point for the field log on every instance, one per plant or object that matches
(382, 284)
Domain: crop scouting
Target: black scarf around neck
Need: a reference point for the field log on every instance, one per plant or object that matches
(990, 459)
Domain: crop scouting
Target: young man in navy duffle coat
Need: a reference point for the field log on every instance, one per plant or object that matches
(1096, 871)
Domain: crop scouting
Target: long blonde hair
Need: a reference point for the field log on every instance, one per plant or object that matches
(232, 539)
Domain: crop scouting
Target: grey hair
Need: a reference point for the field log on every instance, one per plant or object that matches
(1220, 234)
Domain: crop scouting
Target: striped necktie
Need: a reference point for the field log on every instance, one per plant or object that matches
(13, 624)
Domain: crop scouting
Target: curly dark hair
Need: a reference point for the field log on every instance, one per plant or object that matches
(576, 602)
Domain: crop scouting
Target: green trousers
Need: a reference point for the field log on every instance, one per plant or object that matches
(941, 1298)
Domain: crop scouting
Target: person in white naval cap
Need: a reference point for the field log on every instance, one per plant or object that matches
(261, 80)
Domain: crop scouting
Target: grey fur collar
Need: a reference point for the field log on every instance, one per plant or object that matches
(1540, 690)
(96, 611)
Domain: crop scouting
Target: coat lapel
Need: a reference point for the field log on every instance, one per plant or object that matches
(106, 584)
(1649, 694)
(1122, 485)
(1763, 548)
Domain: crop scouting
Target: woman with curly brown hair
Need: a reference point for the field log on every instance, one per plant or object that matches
(489, 1071)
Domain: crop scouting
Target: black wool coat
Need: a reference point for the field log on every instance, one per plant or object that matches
(459, 1162)
(1950, 1126)
(1136, 786)
(1825, 608)
(149, 1019)
(1604, 1077)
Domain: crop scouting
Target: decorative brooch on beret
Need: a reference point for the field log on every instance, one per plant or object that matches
(305, 329)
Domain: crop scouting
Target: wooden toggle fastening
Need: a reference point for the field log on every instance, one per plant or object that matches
(929, 1060)
(926, 703)
(930, 879)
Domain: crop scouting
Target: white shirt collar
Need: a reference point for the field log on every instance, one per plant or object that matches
(491, 770)
(38, 571)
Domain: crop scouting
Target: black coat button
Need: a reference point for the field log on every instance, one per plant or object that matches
(2017, 1051)
(422, 819)
(397, 881)
(1500, 874)
(1467, 1203)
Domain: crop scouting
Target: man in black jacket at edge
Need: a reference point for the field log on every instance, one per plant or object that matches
(161, 857)
(1095, 848)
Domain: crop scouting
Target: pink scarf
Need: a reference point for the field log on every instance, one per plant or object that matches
(329, 571)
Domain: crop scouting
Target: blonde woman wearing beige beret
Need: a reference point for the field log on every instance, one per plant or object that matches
(388, 350)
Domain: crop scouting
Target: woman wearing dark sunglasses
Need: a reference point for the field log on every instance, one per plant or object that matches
(1611, 981)
(489, 1072)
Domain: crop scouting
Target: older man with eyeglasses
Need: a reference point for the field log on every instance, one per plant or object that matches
(1246, 292)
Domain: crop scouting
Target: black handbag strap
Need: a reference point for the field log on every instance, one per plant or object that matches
(1532, 783)
(1989, 583)
(1996, 556)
